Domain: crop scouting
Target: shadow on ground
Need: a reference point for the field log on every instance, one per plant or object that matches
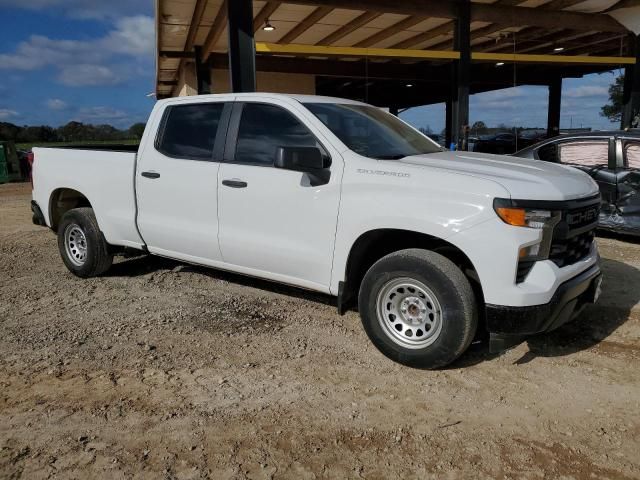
(620, 293)
(597, 322)
(143, 265)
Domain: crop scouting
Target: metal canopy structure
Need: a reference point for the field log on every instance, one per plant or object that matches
(394, 53)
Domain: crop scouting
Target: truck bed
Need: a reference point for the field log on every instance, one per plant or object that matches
(104, 174)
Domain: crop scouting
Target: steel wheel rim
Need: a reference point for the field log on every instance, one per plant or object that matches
(409, 313)
(75, 244)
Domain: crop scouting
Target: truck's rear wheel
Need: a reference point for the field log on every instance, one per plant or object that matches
(418, 308)
(82, 246)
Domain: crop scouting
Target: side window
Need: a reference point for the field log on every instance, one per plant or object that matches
(632, 154)
(548, 152)
(588, 153)
(264, 128)
(190, 130)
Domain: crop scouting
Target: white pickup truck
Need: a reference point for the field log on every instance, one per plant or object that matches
(339, 197)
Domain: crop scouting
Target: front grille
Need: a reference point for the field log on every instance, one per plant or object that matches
(574, 235)
(571, 250)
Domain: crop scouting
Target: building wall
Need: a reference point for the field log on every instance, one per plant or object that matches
(187, 83)
(266, 82)
(269, 82)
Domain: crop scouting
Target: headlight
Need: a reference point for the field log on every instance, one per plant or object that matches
(529, 217)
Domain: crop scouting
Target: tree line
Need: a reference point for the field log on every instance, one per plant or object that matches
(71, 132)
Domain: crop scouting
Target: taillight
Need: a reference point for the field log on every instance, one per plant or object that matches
(31, 158)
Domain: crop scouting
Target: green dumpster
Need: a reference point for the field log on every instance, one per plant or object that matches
(9, 164)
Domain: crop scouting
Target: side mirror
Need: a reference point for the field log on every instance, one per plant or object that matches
(300, 159)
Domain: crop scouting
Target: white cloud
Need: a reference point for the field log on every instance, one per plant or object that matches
(90, 62)
(133, 36)
(586, 91)
(87, 75)
(5, 113)
(85, 9)
(56, 104)
(100, 115)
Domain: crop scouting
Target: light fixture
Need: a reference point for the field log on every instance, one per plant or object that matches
(268, 27)
(558, 49)
(409, 85)
(499, 64)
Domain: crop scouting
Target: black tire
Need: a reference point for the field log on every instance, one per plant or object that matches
(97, 258)
(458, 317)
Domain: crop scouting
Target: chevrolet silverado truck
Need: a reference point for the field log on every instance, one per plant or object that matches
(339, 197)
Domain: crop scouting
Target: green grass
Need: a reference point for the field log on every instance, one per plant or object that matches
(29, 146)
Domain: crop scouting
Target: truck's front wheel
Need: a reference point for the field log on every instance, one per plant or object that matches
(418, 308)
(82, 246)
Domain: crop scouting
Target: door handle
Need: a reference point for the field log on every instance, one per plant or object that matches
(150, 174)
(235, 183)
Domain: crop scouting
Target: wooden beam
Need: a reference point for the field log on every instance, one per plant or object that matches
(492, 29)
(216, 29)
(481, 12)
(345, 30)
(196, 18)
(382, 35)
(311, 19)
(262, 16)
(444, 29)
(564, 59)
(547, 45)
(340, 68)
(175, 54)
(329, 51)
(537, 42)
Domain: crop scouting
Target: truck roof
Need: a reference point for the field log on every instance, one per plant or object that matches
(240, 96)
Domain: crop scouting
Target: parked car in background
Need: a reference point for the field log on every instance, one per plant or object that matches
(500, 143)
(503, 143)
(9, 164)
(24, 160)
(613, 160)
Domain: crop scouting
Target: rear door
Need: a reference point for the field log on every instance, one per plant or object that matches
(628, 177)
(177, 188)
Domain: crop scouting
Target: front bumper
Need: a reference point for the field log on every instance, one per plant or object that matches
(567, 302)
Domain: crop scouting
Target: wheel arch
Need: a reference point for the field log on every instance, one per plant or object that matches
(62, 200)
(372, 245)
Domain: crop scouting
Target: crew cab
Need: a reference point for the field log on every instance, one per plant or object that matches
(339, 197)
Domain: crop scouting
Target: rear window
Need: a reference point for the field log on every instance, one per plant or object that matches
(632, 154)
(190, 131)
(589, 153)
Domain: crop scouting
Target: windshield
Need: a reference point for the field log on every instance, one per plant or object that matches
(371, 132)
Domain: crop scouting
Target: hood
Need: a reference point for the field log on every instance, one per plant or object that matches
(525, 179)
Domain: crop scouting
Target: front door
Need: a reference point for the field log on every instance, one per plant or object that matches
(177, 182)
(273, 222)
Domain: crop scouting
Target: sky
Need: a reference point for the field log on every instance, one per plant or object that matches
(93, 61)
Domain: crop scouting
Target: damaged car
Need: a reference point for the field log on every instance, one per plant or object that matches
(613, 161)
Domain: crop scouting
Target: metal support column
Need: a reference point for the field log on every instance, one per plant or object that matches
(242, 50)
(203, 73)
(448, 134)
(462, 76)
(631, 90)
(553, 112)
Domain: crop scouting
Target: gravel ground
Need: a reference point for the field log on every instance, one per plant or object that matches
(164, 370)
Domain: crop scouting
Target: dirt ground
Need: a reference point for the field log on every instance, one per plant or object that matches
(164, 370)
